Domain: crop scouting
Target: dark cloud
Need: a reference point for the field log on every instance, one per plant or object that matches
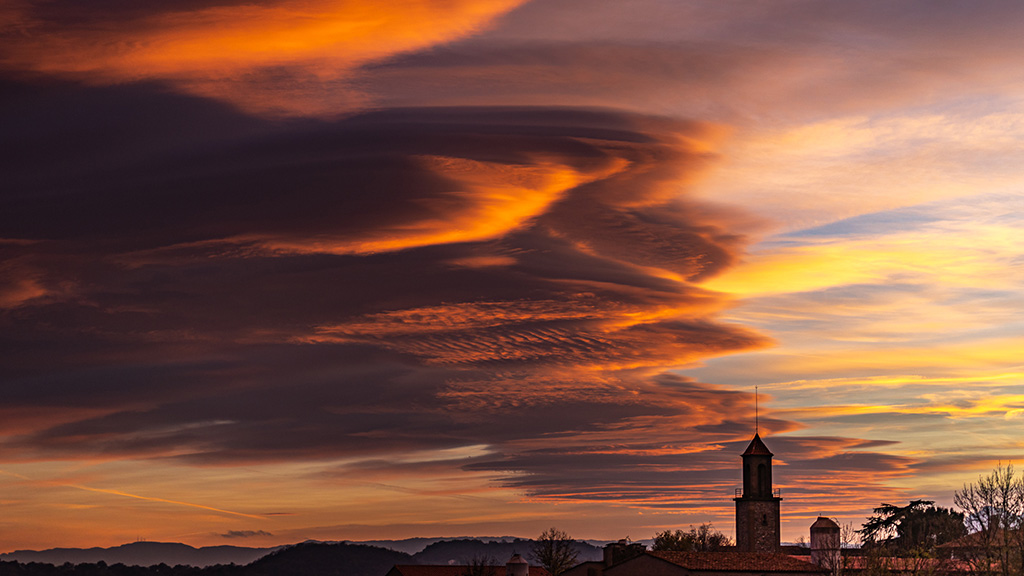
(592, 72)
(218, 289)
(245, 533)
(70, 13)
(670, 464)
(804, 60)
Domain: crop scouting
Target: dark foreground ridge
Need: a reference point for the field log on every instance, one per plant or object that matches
(143, 554)
(312, 559)
(305, 559)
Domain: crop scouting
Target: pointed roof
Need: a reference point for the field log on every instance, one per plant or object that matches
(757, 448)
(826, 523)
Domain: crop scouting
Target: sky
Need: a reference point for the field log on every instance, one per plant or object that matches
(352, 270)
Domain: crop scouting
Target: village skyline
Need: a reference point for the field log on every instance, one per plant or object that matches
(285, 270)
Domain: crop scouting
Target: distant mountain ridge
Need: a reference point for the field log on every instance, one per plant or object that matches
(411, 550)
(416, 545)
(144, 554)
(462, 551)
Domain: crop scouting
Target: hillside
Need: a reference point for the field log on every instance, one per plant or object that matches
(305, 559)
(321, 559)
(461, 551)
(143, 554)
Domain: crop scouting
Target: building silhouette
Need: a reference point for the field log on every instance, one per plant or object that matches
(826, 544)
(758, 550)
(758, 524)
(758, 546)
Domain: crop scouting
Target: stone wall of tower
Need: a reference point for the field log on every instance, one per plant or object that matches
(758, 526)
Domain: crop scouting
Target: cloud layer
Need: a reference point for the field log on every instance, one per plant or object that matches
(213, 289)
(314, 269)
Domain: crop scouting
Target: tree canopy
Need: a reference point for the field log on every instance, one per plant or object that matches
(919, 526)
(555, 551)
(994, 510)
(701, 539)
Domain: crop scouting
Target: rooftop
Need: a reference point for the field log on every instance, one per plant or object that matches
(757, 447)
(737, 561)
(443, 570)
(823, 522)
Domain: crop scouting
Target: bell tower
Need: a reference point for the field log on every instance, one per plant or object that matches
(757, 509)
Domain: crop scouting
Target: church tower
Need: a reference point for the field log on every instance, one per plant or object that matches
(757, 510)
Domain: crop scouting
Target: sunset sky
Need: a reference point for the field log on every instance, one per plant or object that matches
(311, 269)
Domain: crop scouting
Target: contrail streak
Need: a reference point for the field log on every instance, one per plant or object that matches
(130, 495)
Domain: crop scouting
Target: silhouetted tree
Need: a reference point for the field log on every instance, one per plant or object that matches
(703, 539)
(480, 565)
(993, 509)
(883, 527)
(841, 564)
(671, 541)
(929, 527)
(554, 550)
(911, 530)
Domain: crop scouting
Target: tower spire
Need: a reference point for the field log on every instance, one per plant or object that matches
(757, 506)
(756, 425)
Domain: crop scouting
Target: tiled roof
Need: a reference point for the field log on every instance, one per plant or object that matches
(737, 561)
(445, 570)
(976, 539)
(914, 565)
(757, 447)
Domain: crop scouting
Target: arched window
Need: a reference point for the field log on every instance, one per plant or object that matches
(762, 480)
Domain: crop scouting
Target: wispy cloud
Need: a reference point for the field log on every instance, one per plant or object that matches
(245, 533)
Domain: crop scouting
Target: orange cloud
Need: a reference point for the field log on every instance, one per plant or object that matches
(16, 291)
(490, 200)
(222, 51)
(583, 330)
(20, 281)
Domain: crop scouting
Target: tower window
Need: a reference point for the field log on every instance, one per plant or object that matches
(764, 519)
